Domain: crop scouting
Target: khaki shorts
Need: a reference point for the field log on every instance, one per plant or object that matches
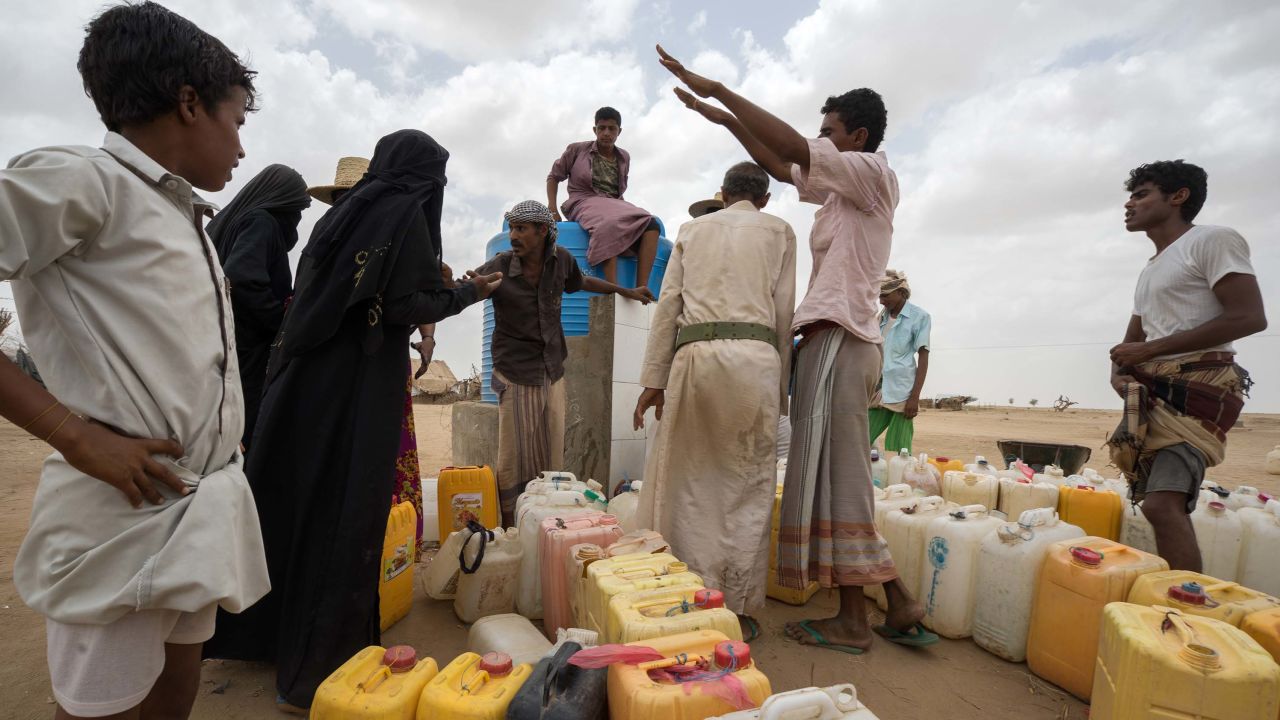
(1180, 469)
(101, 670)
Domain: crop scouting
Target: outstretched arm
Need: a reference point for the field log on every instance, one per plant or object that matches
(596, 285)
(764, 157)
(788, 145)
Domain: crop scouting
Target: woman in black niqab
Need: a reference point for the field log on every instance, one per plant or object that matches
(253, 235)
(322, 468)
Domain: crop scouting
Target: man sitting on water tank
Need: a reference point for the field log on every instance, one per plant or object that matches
(597, 172)
(529, 349)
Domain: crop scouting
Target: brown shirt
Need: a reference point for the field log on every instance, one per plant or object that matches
(528, 339)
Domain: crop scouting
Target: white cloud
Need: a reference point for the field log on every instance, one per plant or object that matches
(1011, 128)
(484, 30)
(698, 23)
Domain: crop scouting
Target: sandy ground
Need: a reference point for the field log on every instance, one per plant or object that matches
(955, 679)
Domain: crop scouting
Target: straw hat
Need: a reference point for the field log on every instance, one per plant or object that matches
(702, 207)
(349, 172)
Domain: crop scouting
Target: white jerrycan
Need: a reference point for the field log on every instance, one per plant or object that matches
(1258, 567)
(484, 585)
(895, 496)
(557, 503)
(904, 531)
(624, 506)
(838, 702)
(549, 481)
(898, 464)
(968, 488)
(1018, 495)
(949, 569)
(1136, 530)
(1244, 497)
(1008, 569)
(1219, 534)
(440, 581)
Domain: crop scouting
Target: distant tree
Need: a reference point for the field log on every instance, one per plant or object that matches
(1010, 401)
(1033, 402)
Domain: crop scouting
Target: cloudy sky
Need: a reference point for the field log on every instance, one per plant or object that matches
(1012, 127)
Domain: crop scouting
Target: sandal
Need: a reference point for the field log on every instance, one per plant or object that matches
(821, 642)
(753, 626)
(915, 637)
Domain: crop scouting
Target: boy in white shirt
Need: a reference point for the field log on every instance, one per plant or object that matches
(143, 522)
(1176, 367)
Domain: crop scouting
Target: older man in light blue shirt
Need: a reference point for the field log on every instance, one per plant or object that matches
(905, 328)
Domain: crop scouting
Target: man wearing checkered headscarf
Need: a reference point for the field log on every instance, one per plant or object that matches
(905, 328)
(529, 349)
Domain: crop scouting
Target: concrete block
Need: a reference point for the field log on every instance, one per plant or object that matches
(588, 386)
(475, 434)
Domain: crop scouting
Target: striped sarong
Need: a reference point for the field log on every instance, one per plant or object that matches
(530, 437)
(828, 531)
(1193, 400)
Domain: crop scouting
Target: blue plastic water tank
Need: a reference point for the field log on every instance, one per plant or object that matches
(574, 310)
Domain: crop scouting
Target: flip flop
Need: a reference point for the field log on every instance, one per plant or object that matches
(821, 642)
(288, 708)
(753, 625)
(916, 637)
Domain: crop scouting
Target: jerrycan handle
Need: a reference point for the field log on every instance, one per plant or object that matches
(1193, 652)
(641, 572)
(829, 704)
(472, 685)
(558, 678)
(968, 510)
(486, 536)
(371, 683)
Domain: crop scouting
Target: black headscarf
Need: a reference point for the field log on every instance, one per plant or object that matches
(368, 248)
(278, 188)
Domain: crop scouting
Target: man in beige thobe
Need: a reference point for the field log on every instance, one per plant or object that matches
(716, 372)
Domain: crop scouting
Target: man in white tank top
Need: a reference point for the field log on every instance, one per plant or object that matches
(1176, 367)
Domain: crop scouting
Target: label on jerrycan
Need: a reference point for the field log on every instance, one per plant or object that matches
(938, 551)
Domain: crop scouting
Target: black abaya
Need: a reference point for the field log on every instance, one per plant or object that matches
(329, 429)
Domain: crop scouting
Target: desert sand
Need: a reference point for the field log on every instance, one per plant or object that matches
(954, 679)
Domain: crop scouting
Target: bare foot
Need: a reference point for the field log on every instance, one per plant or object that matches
(904, 616)
(835, 631)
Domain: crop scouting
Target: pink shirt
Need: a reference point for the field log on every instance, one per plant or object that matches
(851, 237)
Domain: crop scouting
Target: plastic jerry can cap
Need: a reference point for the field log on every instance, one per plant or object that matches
(497, 664)
(608, 519)
(709, 599)
(733, 654)
(1086, 556)
(1217, 506)
(1189, 593)
(400, 658)
(676, 568)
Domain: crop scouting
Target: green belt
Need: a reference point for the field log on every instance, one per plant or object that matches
(726, 331)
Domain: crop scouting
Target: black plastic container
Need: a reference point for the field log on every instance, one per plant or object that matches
(559, 691)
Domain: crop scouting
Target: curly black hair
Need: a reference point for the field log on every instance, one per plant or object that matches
(1171, 176)
(861, 108)
(136, 57)
(608, 113)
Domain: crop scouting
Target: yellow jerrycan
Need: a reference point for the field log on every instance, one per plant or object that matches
(1196, 594)
(1158, 662)
(399, 552)
(1097, 512)
(1078, 578)
(636, 694)
(1264, 628)
(375, 684)
(473, 687)
(624, 574)
(637, 616)
(773, 589)
(466, 493)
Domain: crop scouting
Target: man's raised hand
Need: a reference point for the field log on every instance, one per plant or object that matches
(485, 284)
(710, 112)
(703, 87)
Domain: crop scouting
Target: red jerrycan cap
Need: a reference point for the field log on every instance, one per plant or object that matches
(497, 664)
(733, 653)
(708, 599)
(1086, 556)
(400, 658)
(1188, 593)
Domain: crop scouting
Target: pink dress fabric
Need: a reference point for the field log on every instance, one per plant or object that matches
(613, 223)
(851, 236)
